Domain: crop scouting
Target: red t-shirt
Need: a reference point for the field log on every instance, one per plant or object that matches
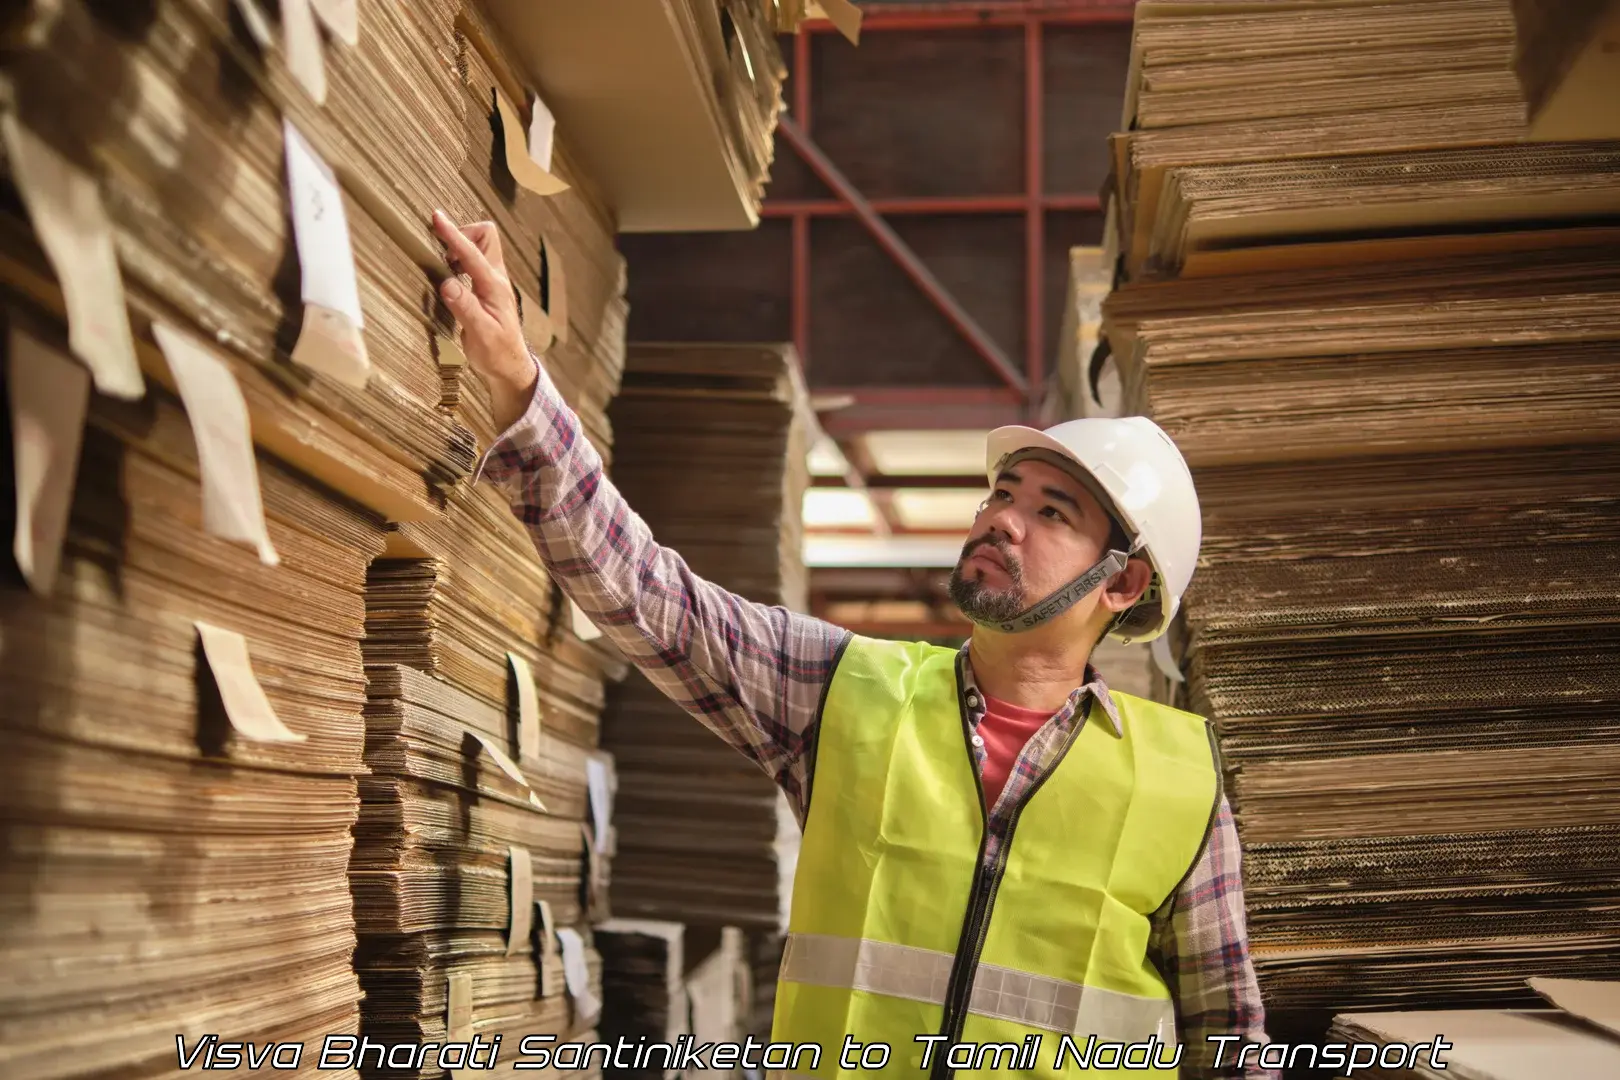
(1005, 729)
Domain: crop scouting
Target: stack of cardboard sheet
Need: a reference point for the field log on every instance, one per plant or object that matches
(1300, 119)
(485, 828)
(644, 989)
(1405, 434)
(556, 240)
(195, 161)
(711, 453)
(667, 984)
(1578, 1038)
(257, 197)
(183, 718)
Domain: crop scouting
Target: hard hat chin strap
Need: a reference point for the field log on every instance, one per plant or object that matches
(1061, 600)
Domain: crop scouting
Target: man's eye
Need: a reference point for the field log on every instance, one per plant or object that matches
(1053, 513)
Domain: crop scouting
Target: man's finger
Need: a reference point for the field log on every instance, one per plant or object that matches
(466, 258)
(465, 306)
(488, 239)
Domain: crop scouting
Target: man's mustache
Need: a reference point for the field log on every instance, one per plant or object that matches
(1001, 546)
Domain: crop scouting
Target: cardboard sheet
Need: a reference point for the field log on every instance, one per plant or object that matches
(65, 206)
(49, 395)
(1595, 1002)
(330, 340)
(1489, 1044)
(248, 709)
(232, 505)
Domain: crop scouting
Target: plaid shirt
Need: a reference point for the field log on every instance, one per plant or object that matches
(754, 676)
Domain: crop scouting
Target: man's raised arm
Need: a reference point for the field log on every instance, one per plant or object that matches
(753, 674)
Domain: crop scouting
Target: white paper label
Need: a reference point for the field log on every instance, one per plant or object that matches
(232, 505)
(577, 974)
(330, 340)
(322, 230)
(542, 131)
(584, 629)
(50, 395)
(599, 782)
(64, 204)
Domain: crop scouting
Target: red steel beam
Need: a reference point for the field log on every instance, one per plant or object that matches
(969, 16)
(1034, 219)
(799, 304)
(902, 254)
(933, 204)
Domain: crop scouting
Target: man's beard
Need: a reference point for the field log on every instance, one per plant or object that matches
(983, 604)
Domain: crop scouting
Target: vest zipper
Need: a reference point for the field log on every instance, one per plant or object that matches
(976, 925)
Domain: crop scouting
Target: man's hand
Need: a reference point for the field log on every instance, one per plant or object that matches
(481, 299)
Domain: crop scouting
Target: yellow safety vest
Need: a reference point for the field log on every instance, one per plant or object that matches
(900, 927)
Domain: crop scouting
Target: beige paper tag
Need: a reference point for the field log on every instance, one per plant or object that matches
(50, 395)
(556, 291)
(257, 23)
(342, 17)
(330, 340)
(305, 59)
(548, 925)
(600, 782)
(509, 767)
(538, 329)
(458, 1013)
(71, 222)
(528, 708)
(845, 16)
(506, 764)
(520, 893)
(246, 705)
(330, 344)
(577, 974)
(525, 170)
(583, 628)
(232, 505)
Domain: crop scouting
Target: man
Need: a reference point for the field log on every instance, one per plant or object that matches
(997, 848)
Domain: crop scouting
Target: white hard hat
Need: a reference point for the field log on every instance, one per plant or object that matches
(1145, 484)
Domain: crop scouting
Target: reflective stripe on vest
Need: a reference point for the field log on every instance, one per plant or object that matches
(902, 927)
(1068, 1008)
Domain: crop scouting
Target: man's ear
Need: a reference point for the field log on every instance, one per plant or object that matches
(1126, 587)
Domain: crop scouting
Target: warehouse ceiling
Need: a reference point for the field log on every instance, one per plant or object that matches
(928, 191)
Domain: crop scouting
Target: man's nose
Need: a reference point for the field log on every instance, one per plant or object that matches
(1004, 519)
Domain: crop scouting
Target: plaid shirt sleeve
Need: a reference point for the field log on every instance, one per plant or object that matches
(750, 673)
(1201, 946)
